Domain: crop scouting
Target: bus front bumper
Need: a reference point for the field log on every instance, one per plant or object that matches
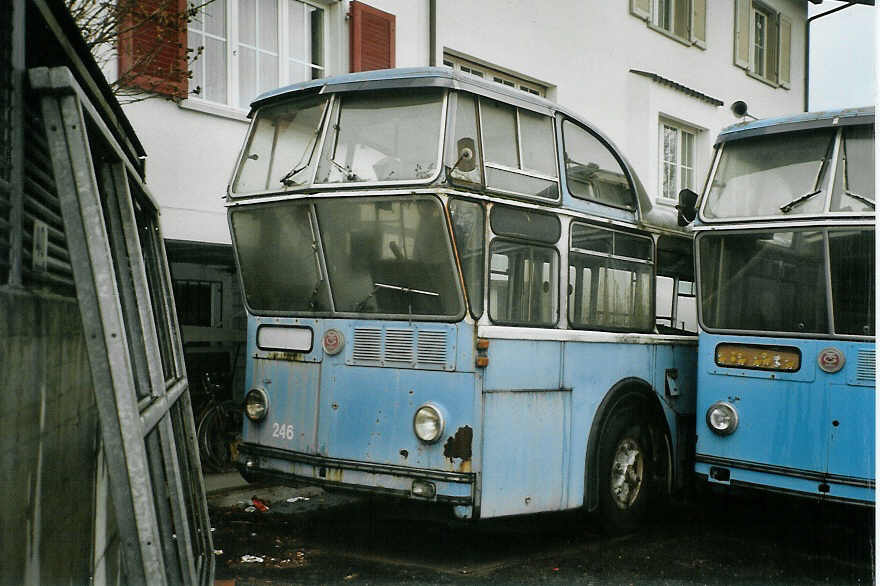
(778, 479)
(454, 488)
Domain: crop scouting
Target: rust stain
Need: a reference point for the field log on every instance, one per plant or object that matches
(405, 454)
(459, 445)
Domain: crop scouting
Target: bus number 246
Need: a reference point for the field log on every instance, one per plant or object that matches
(282, 431)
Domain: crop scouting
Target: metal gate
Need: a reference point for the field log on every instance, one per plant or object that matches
(124, 291)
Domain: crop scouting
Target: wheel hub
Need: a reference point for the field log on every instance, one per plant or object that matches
(627, 473)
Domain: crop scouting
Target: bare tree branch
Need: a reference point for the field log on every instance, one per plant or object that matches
(147, 38)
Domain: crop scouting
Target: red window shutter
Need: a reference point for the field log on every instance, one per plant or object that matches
(152, 46)
(372, 38)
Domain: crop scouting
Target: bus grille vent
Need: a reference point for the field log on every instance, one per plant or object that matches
(399, 346)
(432, 348)
(867, 365)
(367, 344)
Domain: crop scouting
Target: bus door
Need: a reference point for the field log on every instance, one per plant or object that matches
(526, 413)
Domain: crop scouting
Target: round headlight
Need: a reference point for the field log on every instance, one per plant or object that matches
(256, 404)
(722, 418)
(428, 423)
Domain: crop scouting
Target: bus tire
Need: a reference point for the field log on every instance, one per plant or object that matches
(625, 471)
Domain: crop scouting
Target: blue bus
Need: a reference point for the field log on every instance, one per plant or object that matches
(786, 273)
(452, 294)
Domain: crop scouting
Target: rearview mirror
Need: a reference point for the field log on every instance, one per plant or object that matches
(687, 206)
(466, 162)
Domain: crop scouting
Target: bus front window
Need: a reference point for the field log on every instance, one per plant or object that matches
(774, 175)
(767, 281)
(383, 137)
(278, 253)
(389, 256)
(280, 151)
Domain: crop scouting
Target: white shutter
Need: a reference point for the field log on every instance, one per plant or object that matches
(698, 23)
(742, 16)
(640, 8)
(784, 52)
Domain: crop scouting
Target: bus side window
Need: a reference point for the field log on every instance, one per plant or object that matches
(675, 301)
(609, 279)
(592, 171)
(522, 283)
(468, 227)
(465, 136)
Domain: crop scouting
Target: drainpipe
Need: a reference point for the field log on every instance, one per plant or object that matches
(807, 51)
(432, 32)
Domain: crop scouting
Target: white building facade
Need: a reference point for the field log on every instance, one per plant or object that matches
(656, 76)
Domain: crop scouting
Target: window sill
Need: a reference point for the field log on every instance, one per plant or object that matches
(220, 110)
(674, 37)
(763, 80)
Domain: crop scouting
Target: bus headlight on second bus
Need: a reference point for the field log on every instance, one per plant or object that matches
(428, 423)
(722, 418)
(256, 404)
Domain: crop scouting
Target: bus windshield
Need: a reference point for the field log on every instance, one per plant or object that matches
(383, 256)
(383, 137)
(773, 175)
(777, 281)
(280, 151)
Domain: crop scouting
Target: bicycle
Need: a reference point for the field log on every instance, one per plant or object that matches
(219, 427)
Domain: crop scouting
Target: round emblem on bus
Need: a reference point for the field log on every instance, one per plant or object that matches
(831, 360)
(333, 342)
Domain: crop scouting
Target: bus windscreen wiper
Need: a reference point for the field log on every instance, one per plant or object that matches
(376, 286)
(405, 289)
(286, 180)
(797, 201)
(350, 175)
(861, 198)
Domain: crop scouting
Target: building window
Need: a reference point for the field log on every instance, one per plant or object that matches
(676, 159)
(684, 20)
(198, 303)
(489, 73)
(763, 42)
(759, 42)
(246, 47)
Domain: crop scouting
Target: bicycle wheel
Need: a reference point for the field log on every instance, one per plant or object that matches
(211, 433)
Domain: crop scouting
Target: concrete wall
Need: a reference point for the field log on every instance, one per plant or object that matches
(51, 484)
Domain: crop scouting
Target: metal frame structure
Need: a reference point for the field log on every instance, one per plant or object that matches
(124, 290)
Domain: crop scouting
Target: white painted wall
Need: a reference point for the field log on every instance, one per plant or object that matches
(190, 155)
(584, 50)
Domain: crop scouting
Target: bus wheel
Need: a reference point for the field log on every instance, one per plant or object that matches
(625, 472)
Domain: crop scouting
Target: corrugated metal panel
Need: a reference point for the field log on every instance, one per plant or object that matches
(398, 346)
(867, 365)
(432, 348)
(367, 344)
